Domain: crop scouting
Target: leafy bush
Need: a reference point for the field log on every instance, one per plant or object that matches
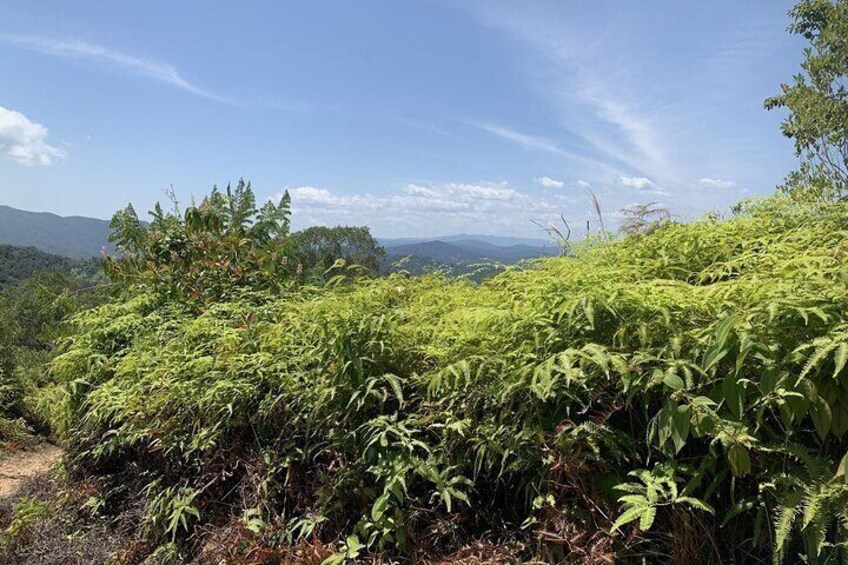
(679, 394)
(223, 243)
(226, 243)
(33, 313)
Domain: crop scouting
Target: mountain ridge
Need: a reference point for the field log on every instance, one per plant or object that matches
(80, 237)
(496, 240)
(77, 237)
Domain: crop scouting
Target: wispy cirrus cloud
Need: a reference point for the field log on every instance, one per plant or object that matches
(75, 49)
(620, 87)
(589, 90)
(540, 143)
(25, 141)
(525, 140)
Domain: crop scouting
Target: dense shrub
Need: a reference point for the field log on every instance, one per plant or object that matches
(33, 312)
(225, 243)
(679, 394)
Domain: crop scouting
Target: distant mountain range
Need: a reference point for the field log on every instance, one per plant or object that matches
(459, 253)
(496, 240)
(70, 236)
(80, 238)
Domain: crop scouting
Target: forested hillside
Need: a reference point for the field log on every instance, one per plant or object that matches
(460, 256)
(72, 236)
(20, 263)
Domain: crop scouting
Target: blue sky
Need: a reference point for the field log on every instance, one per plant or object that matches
(413, 117)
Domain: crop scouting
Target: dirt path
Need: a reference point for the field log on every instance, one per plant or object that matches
(17, 467)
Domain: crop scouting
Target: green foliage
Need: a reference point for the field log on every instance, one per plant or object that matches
(33, 313)
(169, 511)
(318, 248)
(656, 488)
(818, 101)
(224, 244)
(20, 263)
(706, 361)
(26, 513)
(202, 255)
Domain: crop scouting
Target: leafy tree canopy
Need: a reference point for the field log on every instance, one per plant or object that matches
(226, 242)
(818, 101)
(321, 248)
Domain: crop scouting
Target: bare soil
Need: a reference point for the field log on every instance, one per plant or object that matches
(17, 467)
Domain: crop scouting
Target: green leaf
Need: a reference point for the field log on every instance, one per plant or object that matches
(695, 503)
(702, 401)
(740, 461)
(680, 427)
(842, 469)
(353, 546)
(379, 507)
(646, 520)
(785, 518)
(335, 559)
(673, 381)
(713, 356)
(821, 416)
(629, 515)
(840, 358)
(632, 499)
(719, 349)
(394, 381)
(734, 392)
(723, 330)
(664, 423)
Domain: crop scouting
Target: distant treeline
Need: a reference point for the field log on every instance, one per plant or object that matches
(20, 263)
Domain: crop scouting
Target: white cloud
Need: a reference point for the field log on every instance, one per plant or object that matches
(548, 182)
(418, 190)
(25, 141)
(717, 183)
(414, 196)
(482, 191)
(642, 139)
(424, 126)
(639, 183)
(643, 185)
(428, 208)
(155, 70)
(315, 196)
(584, 184)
